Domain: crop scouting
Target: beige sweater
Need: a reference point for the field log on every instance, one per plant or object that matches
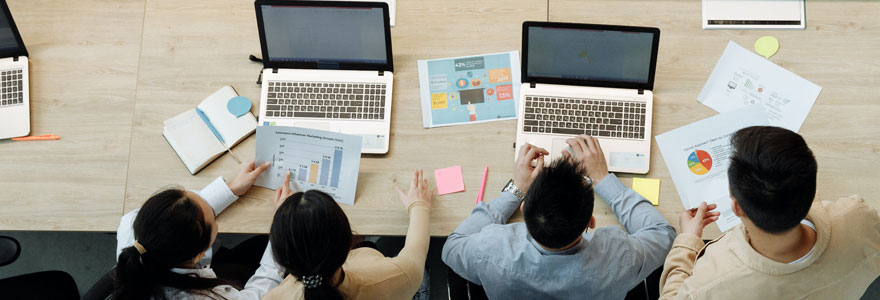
(846, 259)
(371, 275)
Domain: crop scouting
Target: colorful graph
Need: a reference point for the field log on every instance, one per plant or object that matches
(700, 162)
(306, 168)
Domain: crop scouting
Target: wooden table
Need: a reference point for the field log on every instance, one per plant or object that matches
(189, 49)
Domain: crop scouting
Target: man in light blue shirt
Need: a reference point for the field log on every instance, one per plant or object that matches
(551, 256)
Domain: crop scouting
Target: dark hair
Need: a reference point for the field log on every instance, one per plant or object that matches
(558, 205)
(772, 175)
(310, 236)
(173, 230)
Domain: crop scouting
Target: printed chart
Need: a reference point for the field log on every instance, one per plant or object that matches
(321, 160)
(470, 89)
(700, 162)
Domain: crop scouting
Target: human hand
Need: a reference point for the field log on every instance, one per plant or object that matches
(418, 190)
(694, 220)
(246, 177)
(524, 172)
(284, 190)
(589, 154)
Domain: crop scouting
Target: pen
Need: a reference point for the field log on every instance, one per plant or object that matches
(214, 130)
(483, 185)
(45, 137)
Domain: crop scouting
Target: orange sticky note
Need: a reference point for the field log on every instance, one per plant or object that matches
(449, 180)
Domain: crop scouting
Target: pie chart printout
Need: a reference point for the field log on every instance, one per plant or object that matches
(699, 162)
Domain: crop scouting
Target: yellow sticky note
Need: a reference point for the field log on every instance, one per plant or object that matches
(438, 101)
(766, 46)
(648, 188)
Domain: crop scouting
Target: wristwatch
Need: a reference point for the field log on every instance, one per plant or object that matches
(510, 187)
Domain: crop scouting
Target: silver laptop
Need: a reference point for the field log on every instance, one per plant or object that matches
(327, 66)
(15, 119)
(589, 79)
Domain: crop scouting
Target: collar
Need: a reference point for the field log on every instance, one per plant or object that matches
(572, 250)
(751, 258)
(204, 272)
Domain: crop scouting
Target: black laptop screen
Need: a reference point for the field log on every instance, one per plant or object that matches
(325, 35)
(7, 35)
(591, 55)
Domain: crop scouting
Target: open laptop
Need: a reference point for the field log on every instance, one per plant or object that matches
(327, 66)
(15, 119)
(589, 79)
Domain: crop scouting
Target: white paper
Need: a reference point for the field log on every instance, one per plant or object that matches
(317, 159)
(754, 14)
(233, 129)
(392, 9)
(697, 156)
(193, 141)
(743, 78)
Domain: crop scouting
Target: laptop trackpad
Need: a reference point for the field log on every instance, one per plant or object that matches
(557, 147)
(313, 125)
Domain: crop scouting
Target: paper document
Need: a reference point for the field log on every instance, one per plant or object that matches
(754, 14)
(316, 159)
(697, 156)
(742, 78)
(471, 89)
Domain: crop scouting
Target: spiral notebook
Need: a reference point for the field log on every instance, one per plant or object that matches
(193, 140)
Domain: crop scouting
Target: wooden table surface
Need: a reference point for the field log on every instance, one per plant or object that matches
(106, 79)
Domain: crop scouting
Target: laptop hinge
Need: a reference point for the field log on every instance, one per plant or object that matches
(15, 58)
(641, 92)
(381, 73)
(531, 84)
(274, 70)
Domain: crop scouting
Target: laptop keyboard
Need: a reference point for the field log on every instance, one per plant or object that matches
(10, 92)
(351, 101)
(596, 117)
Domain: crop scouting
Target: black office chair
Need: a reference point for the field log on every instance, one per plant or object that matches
(39, 285)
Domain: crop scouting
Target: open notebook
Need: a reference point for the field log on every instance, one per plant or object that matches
(193, 140)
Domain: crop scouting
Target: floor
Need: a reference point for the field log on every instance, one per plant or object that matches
(88, 255)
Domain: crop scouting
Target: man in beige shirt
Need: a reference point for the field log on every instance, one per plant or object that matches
(788, 245)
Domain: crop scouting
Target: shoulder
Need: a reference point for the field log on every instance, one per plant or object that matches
(853, 208)
(226, 291)
(716, 262)
(290, 288)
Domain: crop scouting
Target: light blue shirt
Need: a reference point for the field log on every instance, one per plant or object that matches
(605, 264)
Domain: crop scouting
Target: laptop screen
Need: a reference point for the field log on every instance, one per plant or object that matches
(10, 41)
(619, 58)
(325, 36)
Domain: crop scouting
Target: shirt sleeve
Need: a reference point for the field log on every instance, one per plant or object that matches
(411, 259)
(267, 277)
(218, 195)
(125, 232)
(651, 235)
(679, 266)
(461, 243)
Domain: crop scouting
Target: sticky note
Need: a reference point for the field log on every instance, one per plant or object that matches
(766, 46)
(499, 75)
(449, 180)
(648, 188)
(438, 101)
(238, 106)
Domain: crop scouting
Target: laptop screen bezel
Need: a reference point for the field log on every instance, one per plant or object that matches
(21, 50)
(649, 85)
(268, 63)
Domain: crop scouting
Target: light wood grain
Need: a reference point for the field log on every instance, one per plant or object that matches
(837, 51)
(83, 66)
(190, 51)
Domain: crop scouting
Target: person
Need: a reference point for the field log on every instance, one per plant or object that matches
(788, 245)
(311, 239)
(551, 256)
(165, 248)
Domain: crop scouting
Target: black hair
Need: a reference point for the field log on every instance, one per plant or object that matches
(173, 230)
(311, 235)
(772, 175)
(559, 204)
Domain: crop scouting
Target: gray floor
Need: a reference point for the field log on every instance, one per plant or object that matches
(88, 255)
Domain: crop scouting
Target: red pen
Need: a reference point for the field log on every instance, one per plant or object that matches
(45, 137)
(483, 185)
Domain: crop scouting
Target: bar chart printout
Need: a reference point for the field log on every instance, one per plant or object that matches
(316, 159)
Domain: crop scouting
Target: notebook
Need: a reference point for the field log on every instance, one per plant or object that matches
(193, 140)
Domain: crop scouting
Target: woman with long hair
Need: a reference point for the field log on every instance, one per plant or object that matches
(164, 249)
(311, 240)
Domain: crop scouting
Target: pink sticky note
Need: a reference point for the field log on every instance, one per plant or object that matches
(449, 180)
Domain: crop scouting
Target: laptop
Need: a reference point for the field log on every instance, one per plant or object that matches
(327, 66)
(14, 103)
(589, 79)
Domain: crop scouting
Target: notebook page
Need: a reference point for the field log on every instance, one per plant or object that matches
(192, 139)
(232, 129)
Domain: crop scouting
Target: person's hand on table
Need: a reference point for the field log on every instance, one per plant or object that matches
(419, 190)
(588, 153)
(246, 177)
(284, 190)
(694, 220)
(524, 173)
